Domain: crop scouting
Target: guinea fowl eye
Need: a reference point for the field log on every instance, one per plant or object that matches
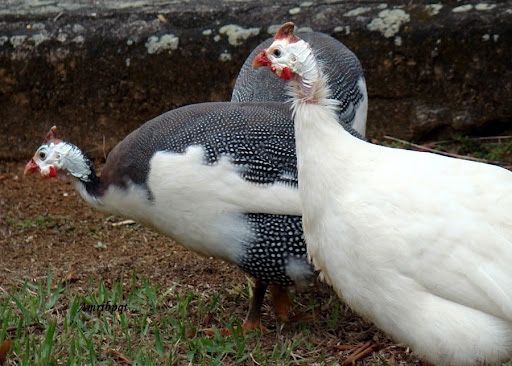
(42, 155)
(276, 52)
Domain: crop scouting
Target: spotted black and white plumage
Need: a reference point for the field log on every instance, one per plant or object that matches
(341, 66)
(278, 246)
(257, 138)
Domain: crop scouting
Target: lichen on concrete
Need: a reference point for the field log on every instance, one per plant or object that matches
(237, 35)
(462, 8)
(167, 42)
(36, 26)
(62, 37)
(17, 41)
(357, 11)
(433, 9)
(341, 28)
(79, 40)
(304, 30)
(78, 28)
(484, 6)
(389, 21)
(225, 57)
(39, 38)
(272, 29)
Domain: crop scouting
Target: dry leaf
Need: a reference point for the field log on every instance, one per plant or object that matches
(5, 346)
(70, 277)
(119, 357)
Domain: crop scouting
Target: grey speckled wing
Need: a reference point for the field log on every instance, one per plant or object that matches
(343, 68)
(258, 137)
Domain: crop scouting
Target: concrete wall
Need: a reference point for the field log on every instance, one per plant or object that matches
(98, 69)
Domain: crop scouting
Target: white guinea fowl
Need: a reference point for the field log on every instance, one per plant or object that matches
(418, 243)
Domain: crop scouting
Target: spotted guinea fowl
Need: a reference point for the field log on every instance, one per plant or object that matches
(345, 79)
(219, 178)
(418, 243)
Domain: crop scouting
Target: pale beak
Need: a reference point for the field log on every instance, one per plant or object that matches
(31, 167)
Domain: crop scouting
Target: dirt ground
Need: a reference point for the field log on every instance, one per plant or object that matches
(61, 233)
(44, 226)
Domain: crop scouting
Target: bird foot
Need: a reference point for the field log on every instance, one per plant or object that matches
(281, 302)
(210, 332)
(303, 317)
(249, 325)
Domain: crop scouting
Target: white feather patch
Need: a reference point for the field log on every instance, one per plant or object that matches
(199, 205)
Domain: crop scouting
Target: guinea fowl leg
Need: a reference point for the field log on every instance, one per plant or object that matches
(253, 319)
(281, 301)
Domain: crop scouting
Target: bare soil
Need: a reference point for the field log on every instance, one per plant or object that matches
(45, 226)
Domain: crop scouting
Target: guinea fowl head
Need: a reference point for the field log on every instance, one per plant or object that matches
(56, 157)
(292, 59)
(287, 56)
(47, 158)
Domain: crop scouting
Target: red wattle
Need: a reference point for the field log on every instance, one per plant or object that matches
(52, 172)
(287, 74)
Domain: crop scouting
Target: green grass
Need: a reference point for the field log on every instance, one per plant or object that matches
(48, 326)
(494, 150)
(40, 221)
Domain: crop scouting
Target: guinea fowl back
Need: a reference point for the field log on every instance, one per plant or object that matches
(258, 137)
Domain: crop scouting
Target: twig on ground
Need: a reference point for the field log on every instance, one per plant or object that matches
(124, 222)
(253, 360)
(12, 330)
(440, 152)
(345, 347)
(481, 138)
(359, 353)
(119, 357)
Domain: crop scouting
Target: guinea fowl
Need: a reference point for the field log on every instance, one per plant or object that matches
(346, 80)
(220, 178)
(418, 243)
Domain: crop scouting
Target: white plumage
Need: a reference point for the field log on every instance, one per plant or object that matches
(418, 243)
